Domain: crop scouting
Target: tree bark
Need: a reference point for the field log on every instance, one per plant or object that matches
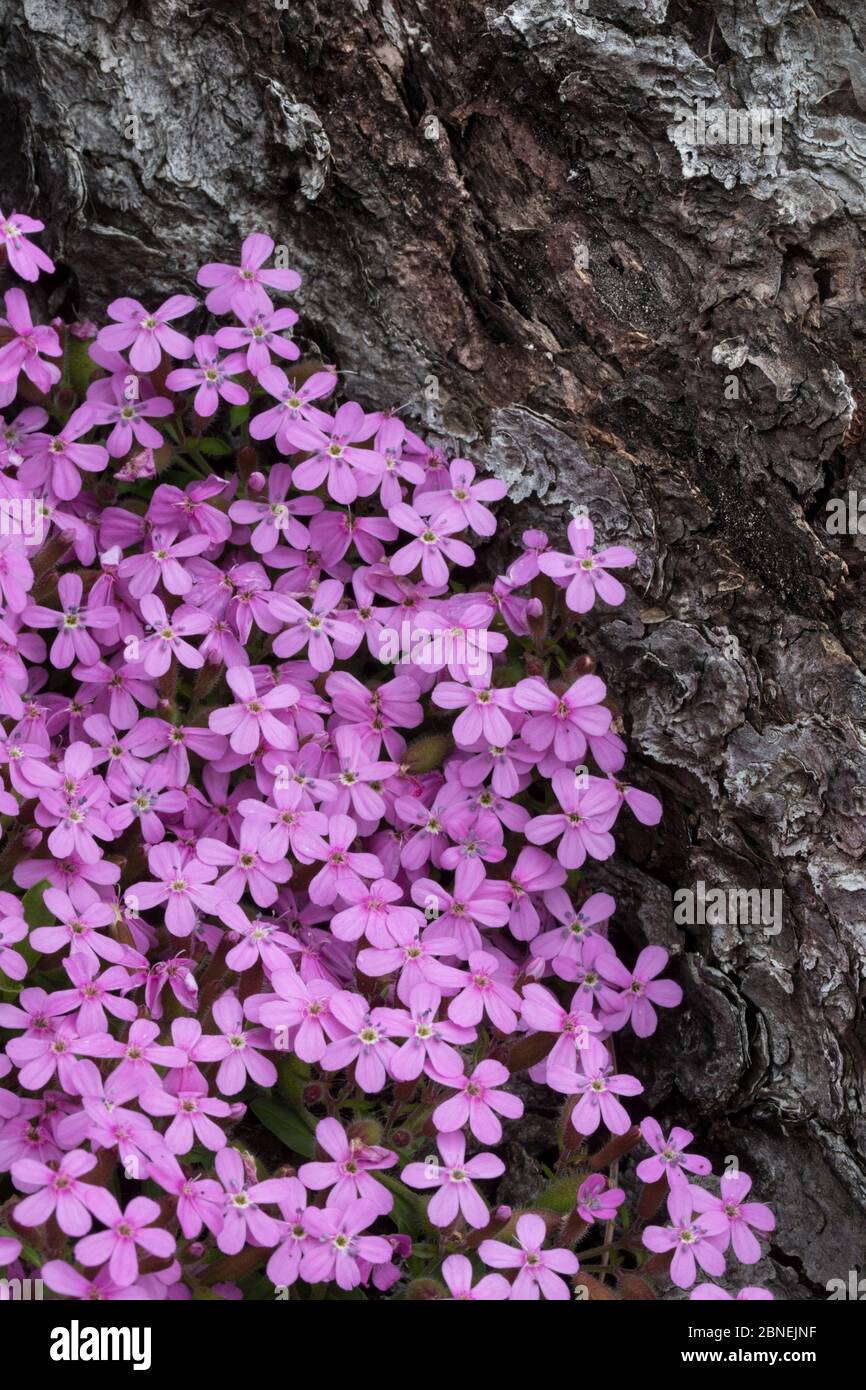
(501, 234)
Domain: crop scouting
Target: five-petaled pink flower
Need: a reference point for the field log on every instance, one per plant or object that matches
(694, 1237)
(146, 334)
(455, 1177)
(25, 257)
(585, 571)
(126, 1230)
(538, 1270)
(253, 719)
(241, 288)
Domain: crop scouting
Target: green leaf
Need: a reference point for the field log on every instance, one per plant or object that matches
(238, 415)
(213, 448)
(291, 1127)
(36, 914)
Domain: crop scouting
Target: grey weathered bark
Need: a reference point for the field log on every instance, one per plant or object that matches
(493, 199)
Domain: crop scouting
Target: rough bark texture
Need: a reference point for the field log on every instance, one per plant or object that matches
(438, 171)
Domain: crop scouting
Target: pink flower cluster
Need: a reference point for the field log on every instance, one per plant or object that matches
(265, 876)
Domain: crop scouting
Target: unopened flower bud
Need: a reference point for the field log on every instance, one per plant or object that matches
(369, 1132)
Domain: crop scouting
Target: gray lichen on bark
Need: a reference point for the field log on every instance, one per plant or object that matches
(496, 200)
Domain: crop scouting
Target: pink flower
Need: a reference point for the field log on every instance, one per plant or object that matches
(295, 404)
(191, 1109)
(485, 993)
(738, 1214)
(93, 994)
(260, 335)
(200, 1201)
(305, 1005)
(276, 519)
(539, 1270)
(367, 1043)
(643, 805)
(564, 945)
(598, 1090)
(9, 1251)
(56, 1191)
(337, 1244)
(243, 1218)
(483, 712)
(181, 882)
(252, 720)
(457, 1273)
(414, 955)
(55, 459)
(25, 258)
(112, 403)
(211, 377)
(23, 351)
(190, 507)
(146, 800)
(348, 1174)
(238, 1051)
(335, 456)
(343, 866)
(79, 931)
(126, 1230)
(476, 1100)
(462, 504)
(577, 1044)
(584, 821)
(670, 1161)
(694, 1238)
(241, 288)
(525, 568)
(585, 572)
(315, 629)
(247, 869)
(427, 1047)
(454, 1178)
(147, 335)
(161, 563)
(73, 642)
(433, 546)
(137, 1058)
(168, 634)
(12, 929)
(259, 940)
(376, 913)
(62, 1279)
(16, 575)
(284, 1266)
(640, 989)
(596, 1201)
(561, 722)
(475, 902)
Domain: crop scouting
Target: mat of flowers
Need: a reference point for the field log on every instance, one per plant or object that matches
(295, 807)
